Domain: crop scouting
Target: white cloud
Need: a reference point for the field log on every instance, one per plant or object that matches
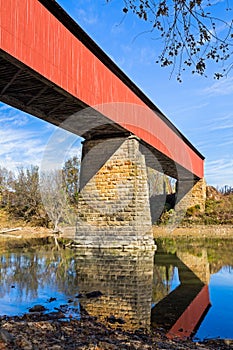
(182, 112)
(219, 172)
(222, 122)
(60, 146)
(221, 127)
(221, 87)
(11, 116)
(87, 17)
(21, 144)
(19, 147)
(226, 143)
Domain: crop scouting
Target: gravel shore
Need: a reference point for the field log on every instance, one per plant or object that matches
(53, 332)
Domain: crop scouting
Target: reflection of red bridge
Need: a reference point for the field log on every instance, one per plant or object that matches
(51, 69)
(182, 310)
(189, 320)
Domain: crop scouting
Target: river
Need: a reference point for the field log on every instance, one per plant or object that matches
(185, 287)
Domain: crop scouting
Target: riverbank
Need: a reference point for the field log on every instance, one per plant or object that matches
(25, 237)
(198, 231)
(29, 236)
(25, 233)
(38, 331)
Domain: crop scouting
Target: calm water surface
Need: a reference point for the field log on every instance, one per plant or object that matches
(185, 288)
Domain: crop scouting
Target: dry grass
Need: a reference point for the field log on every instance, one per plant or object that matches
(199, 231)
(7, 221)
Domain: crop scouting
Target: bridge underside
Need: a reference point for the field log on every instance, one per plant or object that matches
(26, 90)
(23, 88)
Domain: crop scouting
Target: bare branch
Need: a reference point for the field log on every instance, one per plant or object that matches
(188, 29)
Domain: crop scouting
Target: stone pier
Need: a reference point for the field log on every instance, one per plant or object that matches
(114, 207)
(190, 193)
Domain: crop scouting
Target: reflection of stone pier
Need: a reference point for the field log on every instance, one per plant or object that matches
(199, 265)
(124, 279)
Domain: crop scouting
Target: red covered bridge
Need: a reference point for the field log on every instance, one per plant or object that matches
(50, 68)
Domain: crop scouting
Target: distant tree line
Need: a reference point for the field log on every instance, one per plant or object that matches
(50, 198)
(24, 192)
(225, 190)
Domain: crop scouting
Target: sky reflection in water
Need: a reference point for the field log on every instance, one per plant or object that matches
(219, 320)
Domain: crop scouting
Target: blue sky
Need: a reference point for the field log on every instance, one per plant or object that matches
(201, 108)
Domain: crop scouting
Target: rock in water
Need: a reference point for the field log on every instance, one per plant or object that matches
(37, 308)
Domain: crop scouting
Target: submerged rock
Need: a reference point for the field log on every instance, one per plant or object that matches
(37, 308)
(50, 300)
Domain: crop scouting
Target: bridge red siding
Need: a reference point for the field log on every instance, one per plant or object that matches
(187, 322)
(30, 33)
